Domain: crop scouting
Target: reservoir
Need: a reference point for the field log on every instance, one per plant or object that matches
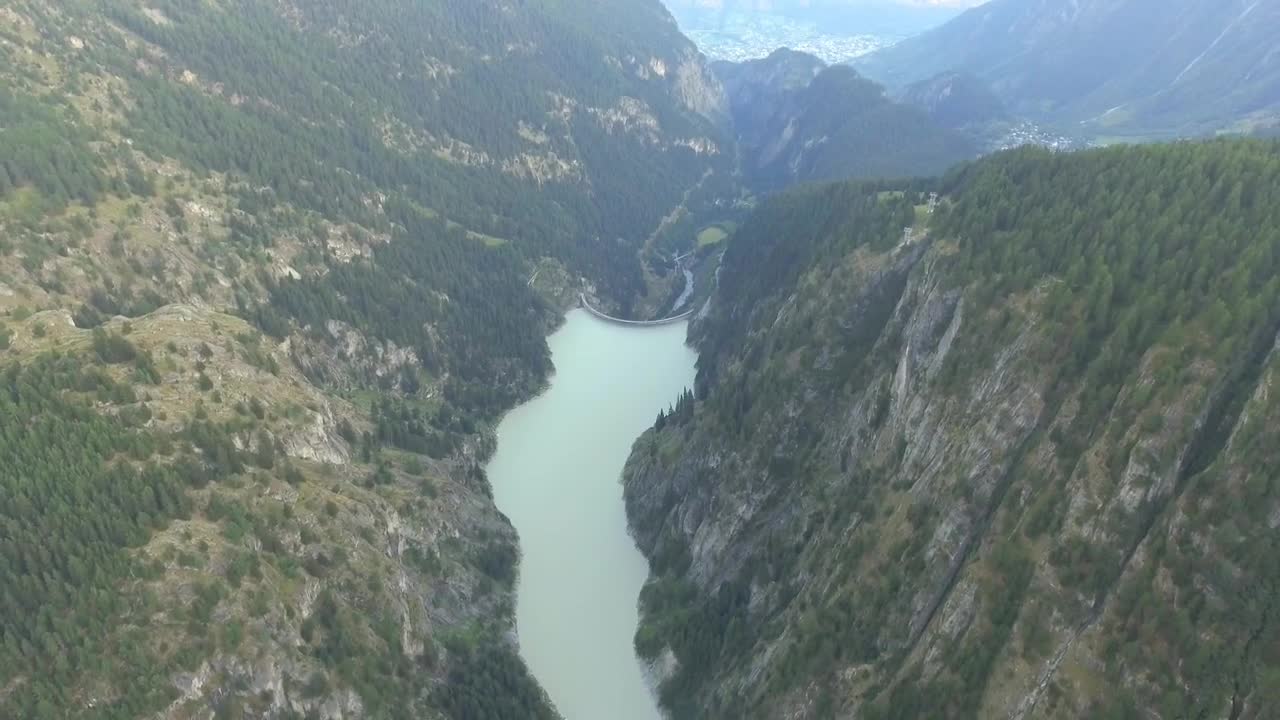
(556, 476)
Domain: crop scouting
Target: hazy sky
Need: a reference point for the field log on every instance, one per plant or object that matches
(770, 4)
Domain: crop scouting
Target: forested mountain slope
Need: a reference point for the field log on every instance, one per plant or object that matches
(956, 100)
(798, 121)
(269, 271)
(1149, 68)
(1023, 466)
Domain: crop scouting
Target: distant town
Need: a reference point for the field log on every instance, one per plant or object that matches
(740, 36)
(1025, 132)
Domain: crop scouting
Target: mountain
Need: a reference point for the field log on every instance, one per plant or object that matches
(1021, 464)
(757, 89)
(269, 274)
(798, 121)
(1127, 67)
(956, 100)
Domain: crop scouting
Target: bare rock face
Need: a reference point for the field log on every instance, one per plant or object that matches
(698, 89)
(319, 441)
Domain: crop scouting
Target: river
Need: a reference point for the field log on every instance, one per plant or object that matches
(685, 294)
(556, 475)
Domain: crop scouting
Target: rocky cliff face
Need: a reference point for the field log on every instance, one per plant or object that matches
(899, 499)
(699, 90)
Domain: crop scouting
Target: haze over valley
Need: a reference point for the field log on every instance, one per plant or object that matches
(835, 30)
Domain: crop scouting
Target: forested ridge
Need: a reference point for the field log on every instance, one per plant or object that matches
(266, 282)
(1022, 466)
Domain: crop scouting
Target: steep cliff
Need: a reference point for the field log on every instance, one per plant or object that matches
(1019, 464)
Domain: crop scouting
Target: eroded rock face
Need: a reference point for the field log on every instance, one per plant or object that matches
(266, 679)
(848, 520)
(319, 441)
(698, 89)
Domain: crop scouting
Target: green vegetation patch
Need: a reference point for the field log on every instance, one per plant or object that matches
(78, 490)
(712, 234)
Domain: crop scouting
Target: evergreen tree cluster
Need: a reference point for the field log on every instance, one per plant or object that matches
(78, 490)
(401, 425)
(464, 308)
(1134, 247)
(678, 414)
(492, 684)
(40, 149)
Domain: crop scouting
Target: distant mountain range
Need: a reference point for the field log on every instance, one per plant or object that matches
(1144, 68)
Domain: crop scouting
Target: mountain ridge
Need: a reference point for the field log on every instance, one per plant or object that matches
(1137, 68)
